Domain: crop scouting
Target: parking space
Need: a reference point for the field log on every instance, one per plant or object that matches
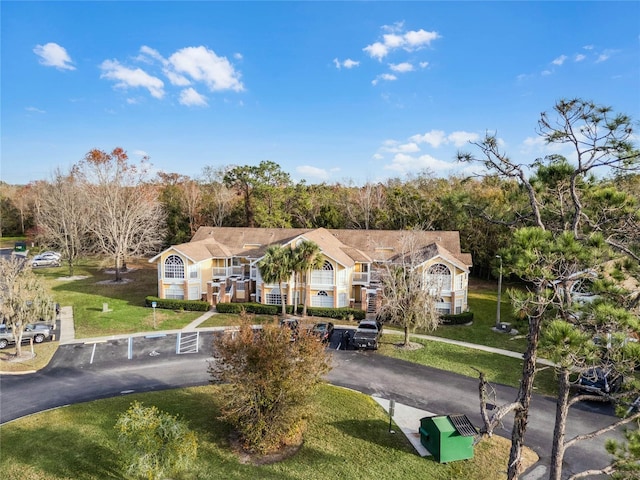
(152, 347)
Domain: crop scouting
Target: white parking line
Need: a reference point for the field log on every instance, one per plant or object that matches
(93, 350)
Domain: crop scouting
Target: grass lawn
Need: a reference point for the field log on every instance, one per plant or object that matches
(43, 353)
(347, 439)
(483, 300)
(89, 289)
(498, 368)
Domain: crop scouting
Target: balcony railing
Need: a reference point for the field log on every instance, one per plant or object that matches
(361, 277)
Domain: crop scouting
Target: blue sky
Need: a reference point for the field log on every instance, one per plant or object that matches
(331, 91)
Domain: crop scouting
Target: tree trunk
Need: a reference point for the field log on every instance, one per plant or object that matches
(562, 410)
(304, 299)
(282, 300)
(524, 398)
(406, 336)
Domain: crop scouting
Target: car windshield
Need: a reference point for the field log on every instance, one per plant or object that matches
(321, 327)
(367, 326)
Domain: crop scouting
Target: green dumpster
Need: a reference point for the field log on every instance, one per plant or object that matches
(448, 437)
(20, 247)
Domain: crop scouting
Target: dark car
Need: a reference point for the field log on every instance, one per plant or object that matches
(291, 323)
(323, 330)
(600, 381)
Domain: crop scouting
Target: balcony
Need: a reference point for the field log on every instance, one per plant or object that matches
(361, 278)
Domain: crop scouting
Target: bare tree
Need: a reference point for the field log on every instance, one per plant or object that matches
(217, 199)
(409, 293)
(126, 216)
(23, 298)
(63, 217)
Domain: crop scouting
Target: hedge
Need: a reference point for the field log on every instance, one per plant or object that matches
(456, 319)
(262, 309)
(173, 304)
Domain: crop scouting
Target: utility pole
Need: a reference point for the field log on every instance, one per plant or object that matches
(499, 293)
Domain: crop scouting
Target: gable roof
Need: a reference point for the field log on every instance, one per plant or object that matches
(344, 246)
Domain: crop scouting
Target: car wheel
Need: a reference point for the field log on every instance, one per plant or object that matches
(3, 343)
(38, 338)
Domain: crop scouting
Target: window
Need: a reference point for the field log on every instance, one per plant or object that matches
(324, 276)
(322, 299)
(173, 267)
(193, 271)
(439, 277)
(174, 292)
(274, 297)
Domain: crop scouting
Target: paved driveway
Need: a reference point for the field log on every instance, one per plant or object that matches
(87, 371)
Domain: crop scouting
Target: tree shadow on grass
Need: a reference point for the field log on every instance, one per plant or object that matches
(59, 452)
(374, 431)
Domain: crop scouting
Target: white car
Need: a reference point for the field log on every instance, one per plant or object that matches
(51, 254)
(45, 261)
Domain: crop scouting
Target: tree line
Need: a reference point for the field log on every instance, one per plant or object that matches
(483, 209)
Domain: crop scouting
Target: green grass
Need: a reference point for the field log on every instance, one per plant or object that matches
(453, 358)
(347, 438)
(230, 319)
(127, 313)
(483, 300)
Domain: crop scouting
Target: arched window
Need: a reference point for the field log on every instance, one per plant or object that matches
(173, 267)
(323, 276)
(439, 277)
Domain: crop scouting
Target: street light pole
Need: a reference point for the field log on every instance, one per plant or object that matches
(499, 293)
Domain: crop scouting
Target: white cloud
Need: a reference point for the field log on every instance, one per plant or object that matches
(202, 64)
(177, 79)
(603, 57)
(377, 50)
(140, 153)
(410, 41)
(348, 63)
(128, 77)
(191, 98)
(238, 56)
(579, 57)
(546, 72)
(588, 47)
(403, 163)
(308, 171)
(462, 138)
(560, 60)
(153, 53)
(34, 110)
(385, 76)
(424, 64)
(419, 38)
(401, 67)
(435, 138)
(53, 55)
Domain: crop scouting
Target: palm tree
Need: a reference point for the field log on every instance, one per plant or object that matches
(307, 256)
(275, 267)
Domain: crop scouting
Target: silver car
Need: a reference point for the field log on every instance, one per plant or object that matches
(38, 331)
(45, 261)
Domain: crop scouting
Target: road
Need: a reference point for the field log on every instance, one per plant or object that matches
(82, 372)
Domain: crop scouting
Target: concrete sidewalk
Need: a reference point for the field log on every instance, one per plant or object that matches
(408, 421)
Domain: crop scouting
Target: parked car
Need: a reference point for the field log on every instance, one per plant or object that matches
(600, 381)
(38, 331)
(45, 261)
(323, 330)
(291, 323)
(49, 253)
(367, 335)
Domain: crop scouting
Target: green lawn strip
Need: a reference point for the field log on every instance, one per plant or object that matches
(126, 313)
(453, 358)
(348, 438)
(232, 319)
(483, 304)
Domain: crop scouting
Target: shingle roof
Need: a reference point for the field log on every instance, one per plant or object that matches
(345, 246)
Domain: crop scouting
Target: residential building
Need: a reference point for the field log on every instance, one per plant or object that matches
(219, 264)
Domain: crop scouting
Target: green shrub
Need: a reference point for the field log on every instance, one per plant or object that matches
(344, 313)
(173, 304)
(456, 319)
(154, 444)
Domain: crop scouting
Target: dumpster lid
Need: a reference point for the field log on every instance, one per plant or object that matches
(462, 425)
